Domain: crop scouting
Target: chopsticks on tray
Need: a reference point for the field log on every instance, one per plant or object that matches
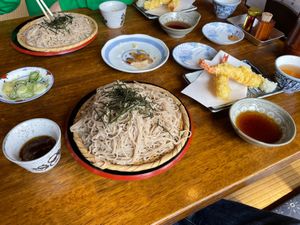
(47, 12)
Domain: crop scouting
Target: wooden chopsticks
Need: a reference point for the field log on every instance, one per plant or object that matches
(47, 12)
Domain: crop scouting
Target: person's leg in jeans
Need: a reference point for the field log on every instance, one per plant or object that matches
(226, 212)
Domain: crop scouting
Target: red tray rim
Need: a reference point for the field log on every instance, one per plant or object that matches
(37, 53)
(133, 177)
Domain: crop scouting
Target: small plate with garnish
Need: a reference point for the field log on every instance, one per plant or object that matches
(222, 33)
(25, 84)
(136, 53)
(262, 122)
(189, 53)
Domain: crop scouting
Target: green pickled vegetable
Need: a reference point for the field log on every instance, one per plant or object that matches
(23, 89)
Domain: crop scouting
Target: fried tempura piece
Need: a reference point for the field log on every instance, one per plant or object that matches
(222, 88)
(153, 4)
(241, 74)
(173, 4)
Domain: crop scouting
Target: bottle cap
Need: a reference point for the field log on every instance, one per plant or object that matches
(266, 17)
(253, 11)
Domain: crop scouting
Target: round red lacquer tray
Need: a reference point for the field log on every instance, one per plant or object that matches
(115, 175)
(16, 45)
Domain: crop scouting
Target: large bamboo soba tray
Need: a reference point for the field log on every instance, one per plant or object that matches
(139, 169)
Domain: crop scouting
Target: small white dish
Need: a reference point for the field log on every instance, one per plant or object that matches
(23, 74)
(188, 54)
(116, 51)
(183, 5)
(278, 114)
(25, 131)
(222, 33)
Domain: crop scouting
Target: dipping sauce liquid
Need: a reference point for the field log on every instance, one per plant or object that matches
(291, 70)
(36, 147)
(259, 126)
(177, 25)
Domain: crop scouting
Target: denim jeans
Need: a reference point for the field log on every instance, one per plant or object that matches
(225, 212)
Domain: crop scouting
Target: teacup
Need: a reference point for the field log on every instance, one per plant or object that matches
(224, 8)
(113, 13)
(287, 73)
(26, 131)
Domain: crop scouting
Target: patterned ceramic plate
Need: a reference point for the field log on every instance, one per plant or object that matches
(118, 53)
(222, 33)
(188, 54)
(22, 77)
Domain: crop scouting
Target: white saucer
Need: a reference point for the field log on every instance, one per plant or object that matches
(23, 74)
(219, 33)
(188, 54)
(114, 52)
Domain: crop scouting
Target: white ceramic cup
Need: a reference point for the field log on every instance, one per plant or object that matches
(113, 13)
(23, 132)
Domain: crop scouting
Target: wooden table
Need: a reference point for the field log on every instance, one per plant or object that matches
(217, 163)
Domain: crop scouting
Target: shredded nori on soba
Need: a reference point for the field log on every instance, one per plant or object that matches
(59, 24)
(123, 100)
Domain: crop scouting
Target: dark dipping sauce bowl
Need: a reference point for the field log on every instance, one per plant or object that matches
(34, 144)
(179, 24)
(261, 122)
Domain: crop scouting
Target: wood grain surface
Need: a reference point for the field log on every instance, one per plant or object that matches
(217, 163)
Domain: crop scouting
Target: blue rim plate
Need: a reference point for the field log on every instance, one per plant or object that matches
(23, 74)
(115, 51)
(220, 33)
(188, 54)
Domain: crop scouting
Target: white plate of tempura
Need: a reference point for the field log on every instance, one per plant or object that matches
(224, 80)
(155, 8)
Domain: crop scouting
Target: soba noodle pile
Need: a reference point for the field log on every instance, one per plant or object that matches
(131, 124)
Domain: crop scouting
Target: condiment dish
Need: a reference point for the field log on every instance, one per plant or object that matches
(222, 33)
(271, 111)
(286, 75)
(26, 131)
(36, 81)
(179, 24)
(188, 54)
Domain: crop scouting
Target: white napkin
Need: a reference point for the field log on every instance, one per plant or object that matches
(183, 4)
(202, 89)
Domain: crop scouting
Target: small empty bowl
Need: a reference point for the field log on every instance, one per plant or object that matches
(280, 118)
(179, 24)
(287, 73)
(224, 8)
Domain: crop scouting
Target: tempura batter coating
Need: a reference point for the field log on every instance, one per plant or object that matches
(222, 88)
(153, 4)
(241, 74)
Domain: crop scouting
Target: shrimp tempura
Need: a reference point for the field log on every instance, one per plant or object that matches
(241, 74)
